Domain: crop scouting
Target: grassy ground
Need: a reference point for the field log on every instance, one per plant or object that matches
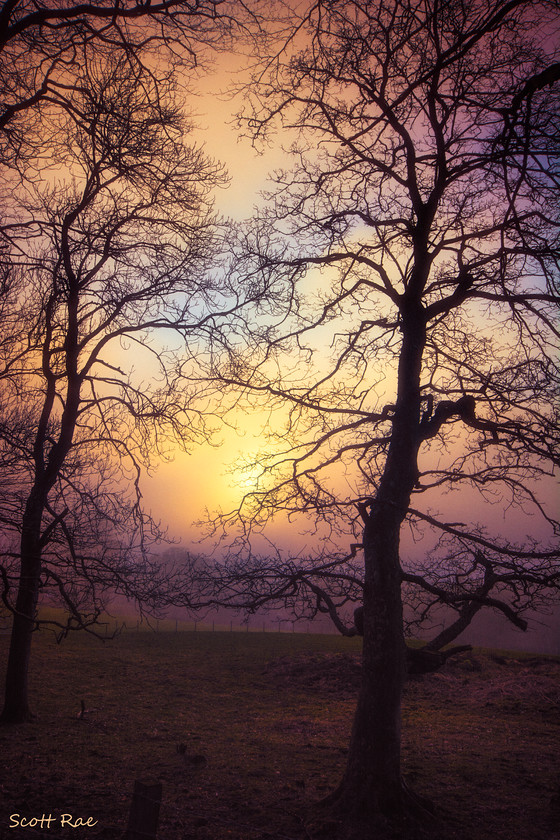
(246, 731)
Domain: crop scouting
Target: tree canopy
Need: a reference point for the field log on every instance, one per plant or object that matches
(107, 275)
(425, 187)
(43, 45)
(404, 282)
(413, 253)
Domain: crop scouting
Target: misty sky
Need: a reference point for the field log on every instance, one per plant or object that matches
(181, 490)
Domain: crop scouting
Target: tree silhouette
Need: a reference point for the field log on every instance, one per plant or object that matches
(412, 261)
(106, 256)
(42, 47)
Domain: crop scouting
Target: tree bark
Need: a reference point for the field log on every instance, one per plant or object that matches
(372, 782)
(16, 697)
(371, 794)
(47, 469)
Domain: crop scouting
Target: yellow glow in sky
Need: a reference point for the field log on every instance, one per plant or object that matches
(181, 490)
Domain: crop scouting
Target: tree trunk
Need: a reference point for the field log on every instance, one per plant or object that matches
(449, 634)
(372, 777)
(371, 798)
(16, 698)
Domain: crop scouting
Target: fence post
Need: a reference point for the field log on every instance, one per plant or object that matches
(144, 811)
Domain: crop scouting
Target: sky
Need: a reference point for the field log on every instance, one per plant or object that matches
(182, 490)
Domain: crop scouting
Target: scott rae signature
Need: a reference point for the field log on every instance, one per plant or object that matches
(44, 821)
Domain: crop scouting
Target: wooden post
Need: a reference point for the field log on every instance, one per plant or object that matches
(144, 811)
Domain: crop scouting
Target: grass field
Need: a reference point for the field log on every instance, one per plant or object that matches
(246, 731)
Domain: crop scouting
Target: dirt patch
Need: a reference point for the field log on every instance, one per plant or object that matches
(332, 675)
(479, 679)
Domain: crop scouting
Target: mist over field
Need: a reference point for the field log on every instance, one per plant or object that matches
(486, 630)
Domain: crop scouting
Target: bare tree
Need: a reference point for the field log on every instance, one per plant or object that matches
(412, 261)
(42, 47)
(442, 594)
(107, 252)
